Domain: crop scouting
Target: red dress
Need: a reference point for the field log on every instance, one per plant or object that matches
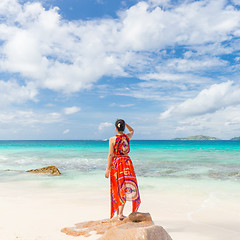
(123, 180)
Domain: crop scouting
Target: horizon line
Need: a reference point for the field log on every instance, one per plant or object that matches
(105, 140)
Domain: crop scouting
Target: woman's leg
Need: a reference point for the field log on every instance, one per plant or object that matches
(120, 212)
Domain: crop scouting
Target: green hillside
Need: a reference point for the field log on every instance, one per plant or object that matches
(197, 137)
(235, 139)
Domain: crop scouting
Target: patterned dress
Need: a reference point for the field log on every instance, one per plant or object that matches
(124, 185)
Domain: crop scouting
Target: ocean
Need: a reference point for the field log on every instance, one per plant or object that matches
(83, 163)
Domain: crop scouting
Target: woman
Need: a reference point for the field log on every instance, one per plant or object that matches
(123, 181)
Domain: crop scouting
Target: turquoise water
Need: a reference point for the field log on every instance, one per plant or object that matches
(85, 161)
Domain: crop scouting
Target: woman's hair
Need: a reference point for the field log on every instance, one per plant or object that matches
(120, 125)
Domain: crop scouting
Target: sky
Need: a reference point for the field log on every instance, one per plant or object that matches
(69, 69)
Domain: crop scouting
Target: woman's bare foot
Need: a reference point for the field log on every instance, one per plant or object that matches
(121, 217)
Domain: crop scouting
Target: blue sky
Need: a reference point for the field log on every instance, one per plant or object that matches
(68, 69)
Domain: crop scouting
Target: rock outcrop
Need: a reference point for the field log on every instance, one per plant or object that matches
(137, 226)
(50, 170)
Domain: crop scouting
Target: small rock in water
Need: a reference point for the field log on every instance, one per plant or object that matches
(50, 169)
(234, 174)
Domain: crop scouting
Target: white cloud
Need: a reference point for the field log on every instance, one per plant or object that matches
(12, 92)
(209, 100)
(237, 2)
(55, 54)
(166, 87)
(189, 65)
(122, 105)
(163, 76)
(104, 125)
(214, 111)
(126, 105)
(66, 131)
(224, 123)
(26, 117)
(69, 56)
(146, 28)
(158, 78)
(71, 110)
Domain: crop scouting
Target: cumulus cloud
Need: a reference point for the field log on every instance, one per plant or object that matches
(12, 92)
(214, 111)
(209, 100)
(56, 54)
(71, 110)
(148, 28)
(223, 123)
(69, 56)
(104, 125)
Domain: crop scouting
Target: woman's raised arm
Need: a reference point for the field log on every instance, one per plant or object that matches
(130, 129)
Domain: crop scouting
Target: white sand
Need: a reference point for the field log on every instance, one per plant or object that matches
(34, 213)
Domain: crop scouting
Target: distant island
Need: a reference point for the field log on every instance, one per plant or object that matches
(197, 137)
(235, 139)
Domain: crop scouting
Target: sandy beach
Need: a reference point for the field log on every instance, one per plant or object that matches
(30, 212)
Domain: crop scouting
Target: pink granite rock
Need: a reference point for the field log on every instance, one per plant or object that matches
(132, 231)
(137, 226)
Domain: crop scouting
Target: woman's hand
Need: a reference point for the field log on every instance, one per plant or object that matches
(107, 173)
(130, 129)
